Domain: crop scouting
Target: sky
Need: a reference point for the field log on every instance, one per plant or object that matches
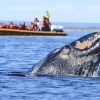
(81, 11)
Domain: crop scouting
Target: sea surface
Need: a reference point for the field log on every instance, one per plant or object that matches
(19, 53)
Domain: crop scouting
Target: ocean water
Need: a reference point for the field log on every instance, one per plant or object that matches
(19, 53)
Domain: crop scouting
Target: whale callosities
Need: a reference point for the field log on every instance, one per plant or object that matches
(81, 57)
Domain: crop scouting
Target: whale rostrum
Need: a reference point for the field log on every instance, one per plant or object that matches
(79, 58)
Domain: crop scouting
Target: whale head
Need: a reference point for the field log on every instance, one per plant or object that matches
(81, 57)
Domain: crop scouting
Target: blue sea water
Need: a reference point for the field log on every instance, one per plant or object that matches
(19, 53)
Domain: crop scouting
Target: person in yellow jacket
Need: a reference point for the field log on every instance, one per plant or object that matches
(47, 15)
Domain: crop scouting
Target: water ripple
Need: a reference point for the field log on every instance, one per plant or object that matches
(18, 54)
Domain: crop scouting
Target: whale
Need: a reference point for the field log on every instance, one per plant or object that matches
(79, 58)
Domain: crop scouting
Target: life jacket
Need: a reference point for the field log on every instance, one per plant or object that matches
(12, 26)
(47, 22)
(43, 23)
(31, 26)
(35, 21)
(20, 26)
(1, 26)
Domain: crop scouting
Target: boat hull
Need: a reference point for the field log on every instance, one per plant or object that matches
(27, 32)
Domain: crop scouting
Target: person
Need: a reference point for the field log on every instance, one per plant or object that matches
(1, 25)
(47, 15)
(36, 24)
(47, 22)
(20, 26)
(30, 27)
(23, 26)
(45, 25)
(12, 25)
